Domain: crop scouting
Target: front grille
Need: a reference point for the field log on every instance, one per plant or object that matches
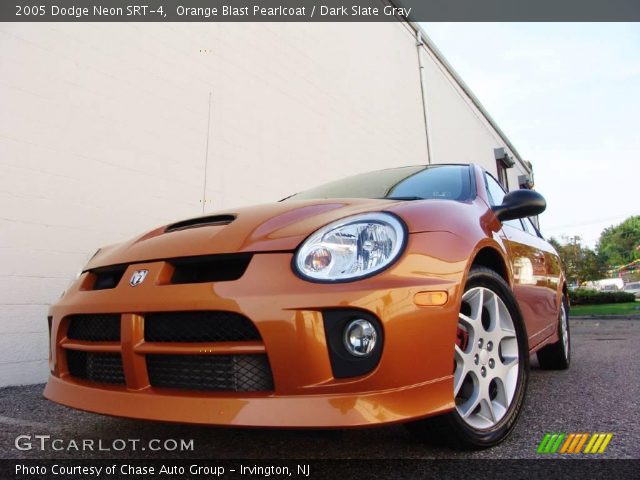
(198, 269)
(215, 326)
(231, 373)
(96, 367)
(212, 268)
(95, 328)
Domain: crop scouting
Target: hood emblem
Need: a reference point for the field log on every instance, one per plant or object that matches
(138, 277)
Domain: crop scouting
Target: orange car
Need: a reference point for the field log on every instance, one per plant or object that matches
(392, 296)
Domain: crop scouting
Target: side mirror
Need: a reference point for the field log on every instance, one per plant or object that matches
(520, 204)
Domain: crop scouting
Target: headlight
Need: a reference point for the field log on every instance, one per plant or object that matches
(351, 248)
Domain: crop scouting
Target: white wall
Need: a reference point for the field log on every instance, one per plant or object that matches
(103, 134)
(458, 131)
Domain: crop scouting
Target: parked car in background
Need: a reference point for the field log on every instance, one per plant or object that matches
(633, 287)
(606, 284)
(388, 297)
(609, 288)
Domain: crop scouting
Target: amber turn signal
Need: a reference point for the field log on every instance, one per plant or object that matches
(430, 299)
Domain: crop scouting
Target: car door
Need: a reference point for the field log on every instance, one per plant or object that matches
(552, 263)
(532, 268)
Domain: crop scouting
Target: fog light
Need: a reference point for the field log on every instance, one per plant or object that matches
(360, 337)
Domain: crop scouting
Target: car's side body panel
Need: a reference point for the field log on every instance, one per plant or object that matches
(536, 276)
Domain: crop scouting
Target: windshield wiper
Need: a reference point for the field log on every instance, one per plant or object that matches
(404, 198)
(287, 198)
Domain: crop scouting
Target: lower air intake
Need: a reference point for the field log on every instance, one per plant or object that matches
(206, 326)
(95, 327)
(96, 367)
(223, 373)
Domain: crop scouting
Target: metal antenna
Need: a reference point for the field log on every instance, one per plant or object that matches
(206, 155)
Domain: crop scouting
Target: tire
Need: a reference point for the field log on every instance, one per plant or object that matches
(557, 356)
(491, 368)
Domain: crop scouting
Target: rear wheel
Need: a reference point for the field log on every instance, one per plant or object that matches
(557, 356)
(490, 367)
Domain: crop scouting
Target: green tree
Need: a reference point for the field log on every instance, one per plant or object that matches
(580, 263)
(618, 244)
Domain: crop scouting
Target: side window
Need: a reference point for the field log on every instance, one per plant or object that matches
(496, 195)
(532, 229)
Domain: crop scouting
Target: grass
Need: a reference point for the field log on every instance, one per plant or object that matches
(607, 309)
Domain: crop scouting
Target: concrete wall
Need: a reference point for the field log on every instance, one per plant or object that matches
(105, 129)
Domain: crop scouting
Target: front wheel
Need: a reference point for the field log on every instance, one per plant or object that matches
(491, 364)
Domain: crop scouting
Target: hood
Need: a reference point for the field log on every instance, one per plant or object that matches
(277, 226)
(280, 226)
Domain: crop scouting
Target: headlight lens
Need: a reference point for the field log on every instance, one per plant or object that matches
(351, 248)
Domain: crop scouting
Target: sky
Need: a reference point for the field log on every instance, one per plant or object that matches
(568, 97)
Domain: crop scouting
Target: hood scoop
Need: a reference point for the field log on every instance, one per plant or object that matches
(210, 221)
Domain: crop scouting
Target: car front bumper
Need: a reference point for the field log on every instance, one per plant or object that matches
(412, 380)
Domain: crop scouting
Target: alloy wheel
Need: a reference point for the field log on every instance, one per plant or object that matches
(486, 359)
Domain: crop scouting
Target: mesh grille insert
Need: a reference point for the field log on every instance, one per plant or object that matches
(214, 326)
(95, 328)
(230, 373)
(97, 367)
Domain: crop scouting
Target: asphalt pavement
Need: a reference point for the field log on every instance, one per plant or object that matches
(599, 393)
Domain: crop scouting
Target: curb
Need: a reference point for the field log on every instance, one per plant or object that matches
(604, 317)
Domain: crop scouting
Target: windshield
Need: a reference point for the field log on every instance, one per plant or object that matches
(451, 182)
